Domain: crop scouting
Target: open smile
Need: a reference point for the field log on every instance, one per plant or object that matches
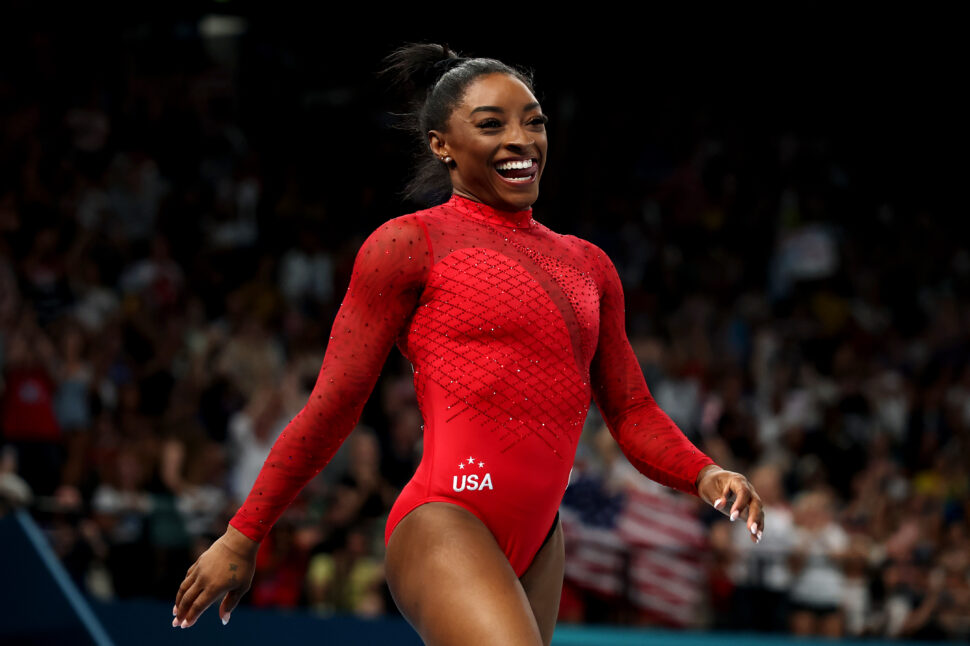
(518, 171)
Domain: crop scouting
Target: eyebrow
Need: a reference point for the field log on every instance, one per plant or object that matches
(495, 108)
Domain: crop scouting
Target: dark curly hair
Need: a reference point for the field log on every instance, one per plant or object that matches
(436, 77)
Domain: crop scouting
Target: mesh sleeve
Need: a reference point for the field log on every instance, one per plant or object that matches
(648, 438)
(389, 274)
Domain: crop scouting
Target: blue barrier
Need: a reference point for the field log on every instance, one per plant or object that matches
(147, 623)
(39, 604)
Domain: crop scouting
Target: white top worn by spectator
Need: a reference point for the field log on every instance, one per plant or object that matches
(821, 542)
(306, 274)
(764, 565)
(252, 433)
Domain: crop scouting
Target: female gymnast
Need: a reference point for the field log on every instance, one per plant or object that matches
(510, 329)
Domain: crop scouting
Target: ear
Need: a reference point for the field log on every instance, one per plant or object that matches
(437, 142)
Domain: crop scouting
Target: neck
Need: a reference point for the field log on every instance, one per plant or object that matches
(476, 210)
(506, 207)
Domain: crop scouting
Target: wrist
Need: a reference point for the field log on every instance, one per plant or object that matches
(703, 473)
(238, 542)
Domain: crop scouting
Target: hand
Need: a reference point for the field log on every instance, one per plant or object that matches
(715, 486)
(225, 568)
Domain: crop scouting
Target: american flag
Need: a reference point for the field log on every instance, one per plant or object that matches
(595, 554)
(646, 540)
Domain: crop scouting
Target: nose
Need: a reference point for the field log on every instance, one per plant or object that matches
(519, 139)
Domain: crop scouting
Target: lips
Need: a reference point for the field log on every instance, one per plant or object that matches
(518, 170)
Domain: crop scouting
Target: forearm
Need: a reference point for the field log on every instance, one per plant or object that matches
(302, 450)
(646, 435)
(657, 448)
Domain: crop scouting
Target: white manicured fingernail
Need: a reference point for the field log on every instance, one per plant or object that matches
(175, 623)
(754, 528)
(759, 535)
(225, 620)
(717, 503)
(734, 515)
(185, 623)
(175, 610)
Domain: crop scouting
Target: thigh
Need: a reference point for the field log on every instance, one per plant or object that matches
(543, 583)
(453, 583)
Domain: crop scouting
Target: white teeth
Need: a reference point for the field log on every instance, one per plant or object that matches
(509, 165)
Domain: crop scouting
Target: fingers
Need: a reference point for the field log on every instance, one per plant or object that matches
(203, 601)
(186, 585)
(229, 604)
(756, 518)
(730, 484)
(184, 604)
(196, 600)
(741, 489)
(723, 496)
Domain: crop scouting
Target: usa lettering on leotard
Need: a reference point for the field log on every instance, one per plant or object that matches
(472, 483)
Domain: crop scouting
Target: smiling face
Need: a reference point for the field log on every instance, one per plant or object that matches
(496, 138)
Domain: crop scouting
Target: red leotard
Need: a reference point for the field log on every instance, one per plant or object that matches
(509, 328)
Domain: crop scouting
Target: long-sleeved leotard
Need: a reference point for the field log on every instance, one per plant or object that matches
(510, 328)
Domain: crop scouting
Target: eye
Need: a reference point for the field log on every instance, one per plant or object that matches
(541, 120)
(489, 123)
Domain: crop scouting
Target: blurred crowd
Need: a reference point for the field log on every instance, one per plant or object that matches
(167, 285)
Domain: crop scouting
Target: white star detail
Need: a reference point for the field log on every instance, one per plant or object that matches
(471, 460)
(461, 465)
(481, 464)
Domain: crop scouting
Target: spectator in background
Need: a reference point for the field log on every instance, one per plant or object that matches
(122, 506)
(763, 577)
(365, 477)
(29, 423)
(72, 406)
(44, 274)
(402, 451)
(252, 432)
(94, 301)
(307, 273)
(343, 577)
(251, 359)
(74, 375)
(135, 190)
(818, 547)
(280, 570)
(156, 280)
(201, 496)
(857, 601)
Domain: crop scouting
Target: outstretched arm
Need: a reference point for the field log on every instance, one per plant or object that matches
(388, 277)
(647, 436)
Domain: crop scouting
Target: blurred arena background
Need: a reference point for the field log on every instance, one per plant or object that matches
(181, 199)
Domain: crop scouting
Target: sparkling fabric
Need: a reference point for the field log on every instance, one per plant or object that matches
(510, 329)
